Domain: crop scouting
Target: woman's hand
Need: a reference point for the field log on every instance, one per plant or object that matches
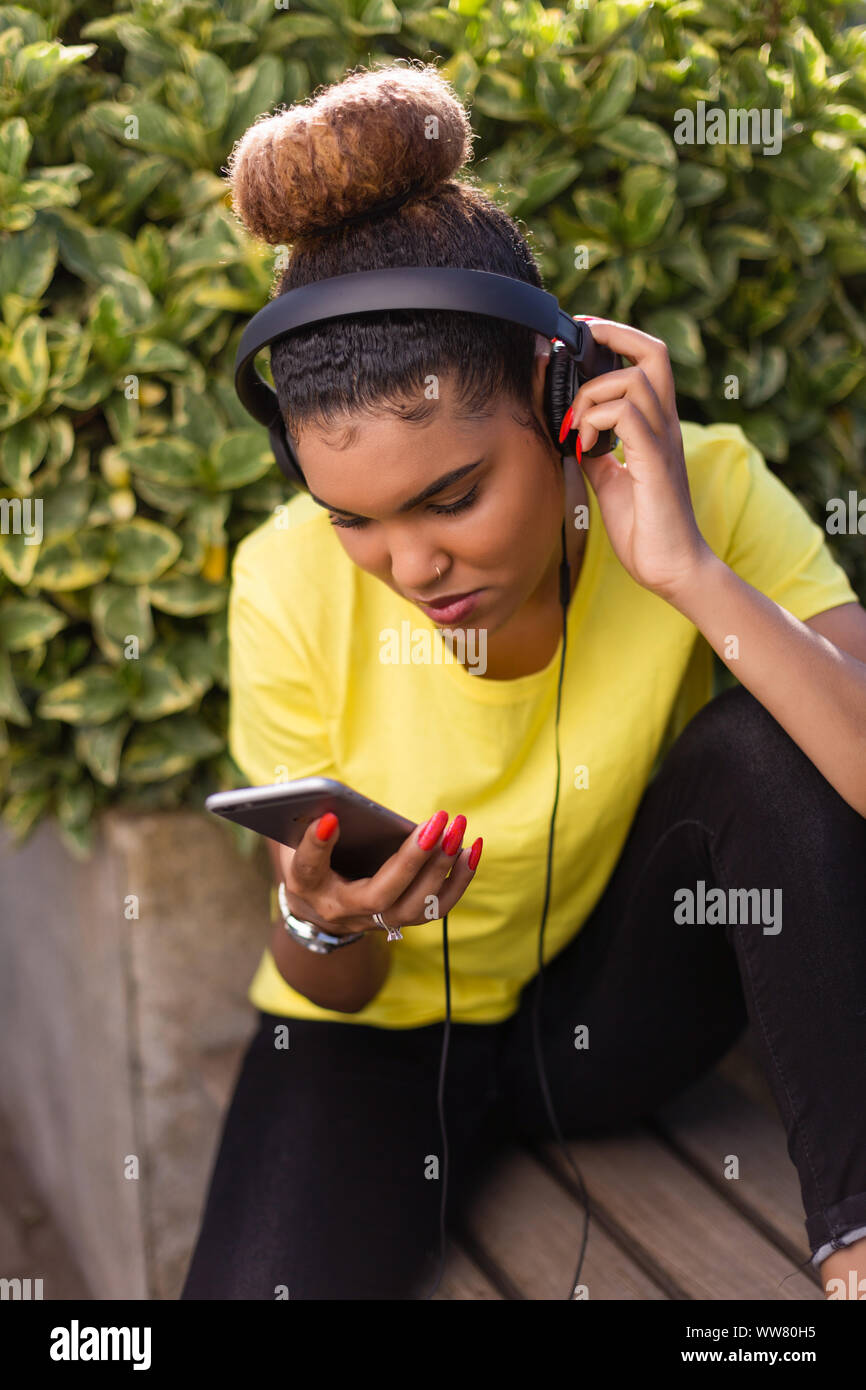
(645, 504)
(420, 883)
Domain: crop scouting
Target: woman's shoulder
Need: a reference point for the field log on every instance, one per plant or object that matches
(723, 467)
(292, 566)
(294, 530)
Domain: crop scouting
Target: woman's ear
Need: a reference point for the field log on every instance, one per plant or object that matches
(543, 346)
(542, 358)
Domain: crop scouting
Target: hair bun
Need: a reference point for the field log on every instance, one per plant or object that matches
(373, 138)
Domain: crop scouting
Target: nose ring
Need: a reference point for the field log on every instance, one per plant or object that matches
(438, 571)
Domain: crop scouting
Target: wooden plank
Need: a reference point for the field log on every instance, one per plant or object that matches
(675, 1223)
(462, 1279)
(714, 1119)
(527, 1226)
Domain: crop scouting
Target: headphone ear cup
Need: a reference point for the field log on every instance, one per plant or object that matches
(560, 389)
(285, 455)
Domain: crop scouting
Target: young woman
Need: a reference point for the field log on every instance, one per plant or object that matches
(433, 478)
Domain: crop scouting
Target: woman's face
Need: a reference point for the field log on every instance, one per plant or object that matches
(492, 529)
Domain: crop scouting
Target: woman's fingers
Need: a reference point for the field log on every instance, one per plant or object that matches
(311, 863)
(629, 382)
(644, 351)
(427, 871)
(390, 883)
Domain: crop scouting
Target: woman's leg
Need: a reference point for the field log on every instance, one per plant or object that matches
(738, 806)
(325, 1185)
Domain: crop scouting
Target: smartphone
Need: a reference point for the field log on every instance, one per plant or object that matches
(369, 833)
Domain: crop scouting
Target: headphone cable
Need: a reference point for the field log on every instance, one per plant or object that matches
(564, 596)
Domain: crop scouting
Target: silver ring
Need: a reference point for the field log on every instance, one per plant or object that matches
(438, 571)
(394, 933)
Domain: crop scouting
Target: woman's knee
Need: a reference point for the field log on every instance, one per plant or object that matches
(736, 741)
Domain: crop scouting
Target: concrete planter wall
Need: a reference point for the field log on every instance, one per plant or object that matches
(121, 1036)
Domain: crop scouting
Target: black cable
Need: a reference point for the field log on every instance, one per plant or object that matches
(440, 1099)
(564, 597)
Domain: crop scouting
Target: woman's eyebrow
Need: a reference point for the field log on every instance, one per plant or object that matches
(445, 481)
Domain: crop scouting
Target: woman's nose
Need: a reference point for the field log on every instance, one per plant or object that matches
(414, 570)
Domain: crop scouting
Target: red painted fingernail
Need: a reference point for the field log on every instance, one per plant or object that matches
(475, 853)
(452, 840)
(432, 830)
(327, 825)
(579, 449)
(566, 424)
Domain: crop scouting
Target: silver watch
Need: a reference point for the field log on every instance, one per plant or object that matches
(308, 934)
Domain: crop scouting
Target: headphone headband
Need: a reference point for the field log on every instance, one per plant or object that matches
(399, 287)
(402, 287)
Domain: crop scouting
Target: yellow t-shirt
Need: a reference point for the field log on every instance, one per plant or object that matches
(311, 695)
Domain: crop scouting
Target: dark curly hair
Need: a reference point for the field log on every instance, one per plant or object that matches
(315, 177)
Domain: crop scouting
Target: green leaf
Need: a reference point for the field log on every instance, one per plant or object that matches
(99, 748)
(681, 334)
(166, 459)
(24, 368)
(697, 184)
(647, 196)
(640, 141)
(16, 143)
(258, 88)
(40, 64)
(750, 243)
(163, 691)
(240, 457)
(187, 595)
(169, 746)
(74, 803)
(72, 562)
(157, 355)
(546, 185)
(27, 262)
(377, 17)
(92, 697)
(213, 80)
(501, 96)
(26, 622)
(78, 840)
(12, 707)
(22, 449)
(769, 377)
(614, 86)
(117, 614)
(22, 812)
(19, 551)
(768, 434)
(147, 126)
(145, 550)
(66, 507)
(686, 258)
(600, 211)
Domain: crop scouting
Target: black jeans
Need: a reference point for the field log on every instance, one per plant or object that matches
(321, 1186)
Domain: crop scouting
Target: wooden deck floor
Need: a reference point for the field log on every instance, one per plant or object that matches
(666, 1223)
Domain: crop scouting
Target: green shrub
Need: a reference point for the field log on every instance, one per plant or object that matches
(125, 282)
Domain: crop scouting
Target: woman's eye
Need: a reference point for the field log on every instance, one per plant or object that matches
(460, 505)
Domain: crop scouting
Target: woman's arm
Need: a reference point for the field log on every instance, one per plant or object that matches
(813, 688)
(346, 980)
(810, 682)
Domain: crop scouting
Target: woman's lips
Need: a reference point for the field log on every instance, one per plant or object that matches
(457, 607)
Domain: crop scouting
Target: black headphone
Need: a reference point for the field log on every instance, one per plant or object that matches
(575, 358)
